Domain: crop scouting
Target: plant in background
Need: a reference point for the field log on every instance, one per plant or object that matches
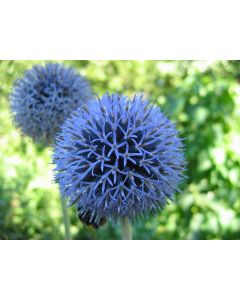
(118, 158)
(42, 99)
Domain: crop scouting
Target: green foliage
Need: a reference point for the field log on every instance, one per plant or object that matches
(202, 97)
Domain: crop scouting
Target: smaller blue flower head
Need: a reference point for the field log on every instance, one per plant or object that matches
(118, 157)
(42, 99)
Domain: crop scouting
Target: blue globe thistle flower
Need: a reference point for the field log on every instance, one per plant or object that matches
(42, 99)
(118, 157)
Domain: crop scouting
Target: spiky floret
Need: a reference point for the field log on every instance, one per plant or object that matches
(45, 95)
(118, 157)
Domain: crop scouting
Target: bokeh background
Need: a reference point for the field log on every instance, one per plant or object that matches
(203, 97)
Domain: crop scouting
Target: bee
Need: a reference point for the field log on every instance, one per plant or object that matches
(87, 219)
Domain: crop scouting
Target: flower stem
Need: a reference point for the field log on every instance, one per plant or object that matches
(66, 220)
(126, 228)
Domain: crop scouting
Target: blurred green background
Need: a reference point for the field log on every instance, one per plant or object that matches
(203, 97)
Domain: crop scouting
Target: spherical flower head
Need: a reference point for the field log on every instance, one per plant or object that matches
(45, 95)
(117, 157)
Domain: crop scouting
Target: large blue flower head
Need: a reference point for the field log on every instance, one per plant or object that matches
(117, 157)
(42, 99)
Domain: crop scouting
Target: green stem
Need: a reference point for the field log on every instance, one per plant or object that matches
(126, 228)
(66, 220)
